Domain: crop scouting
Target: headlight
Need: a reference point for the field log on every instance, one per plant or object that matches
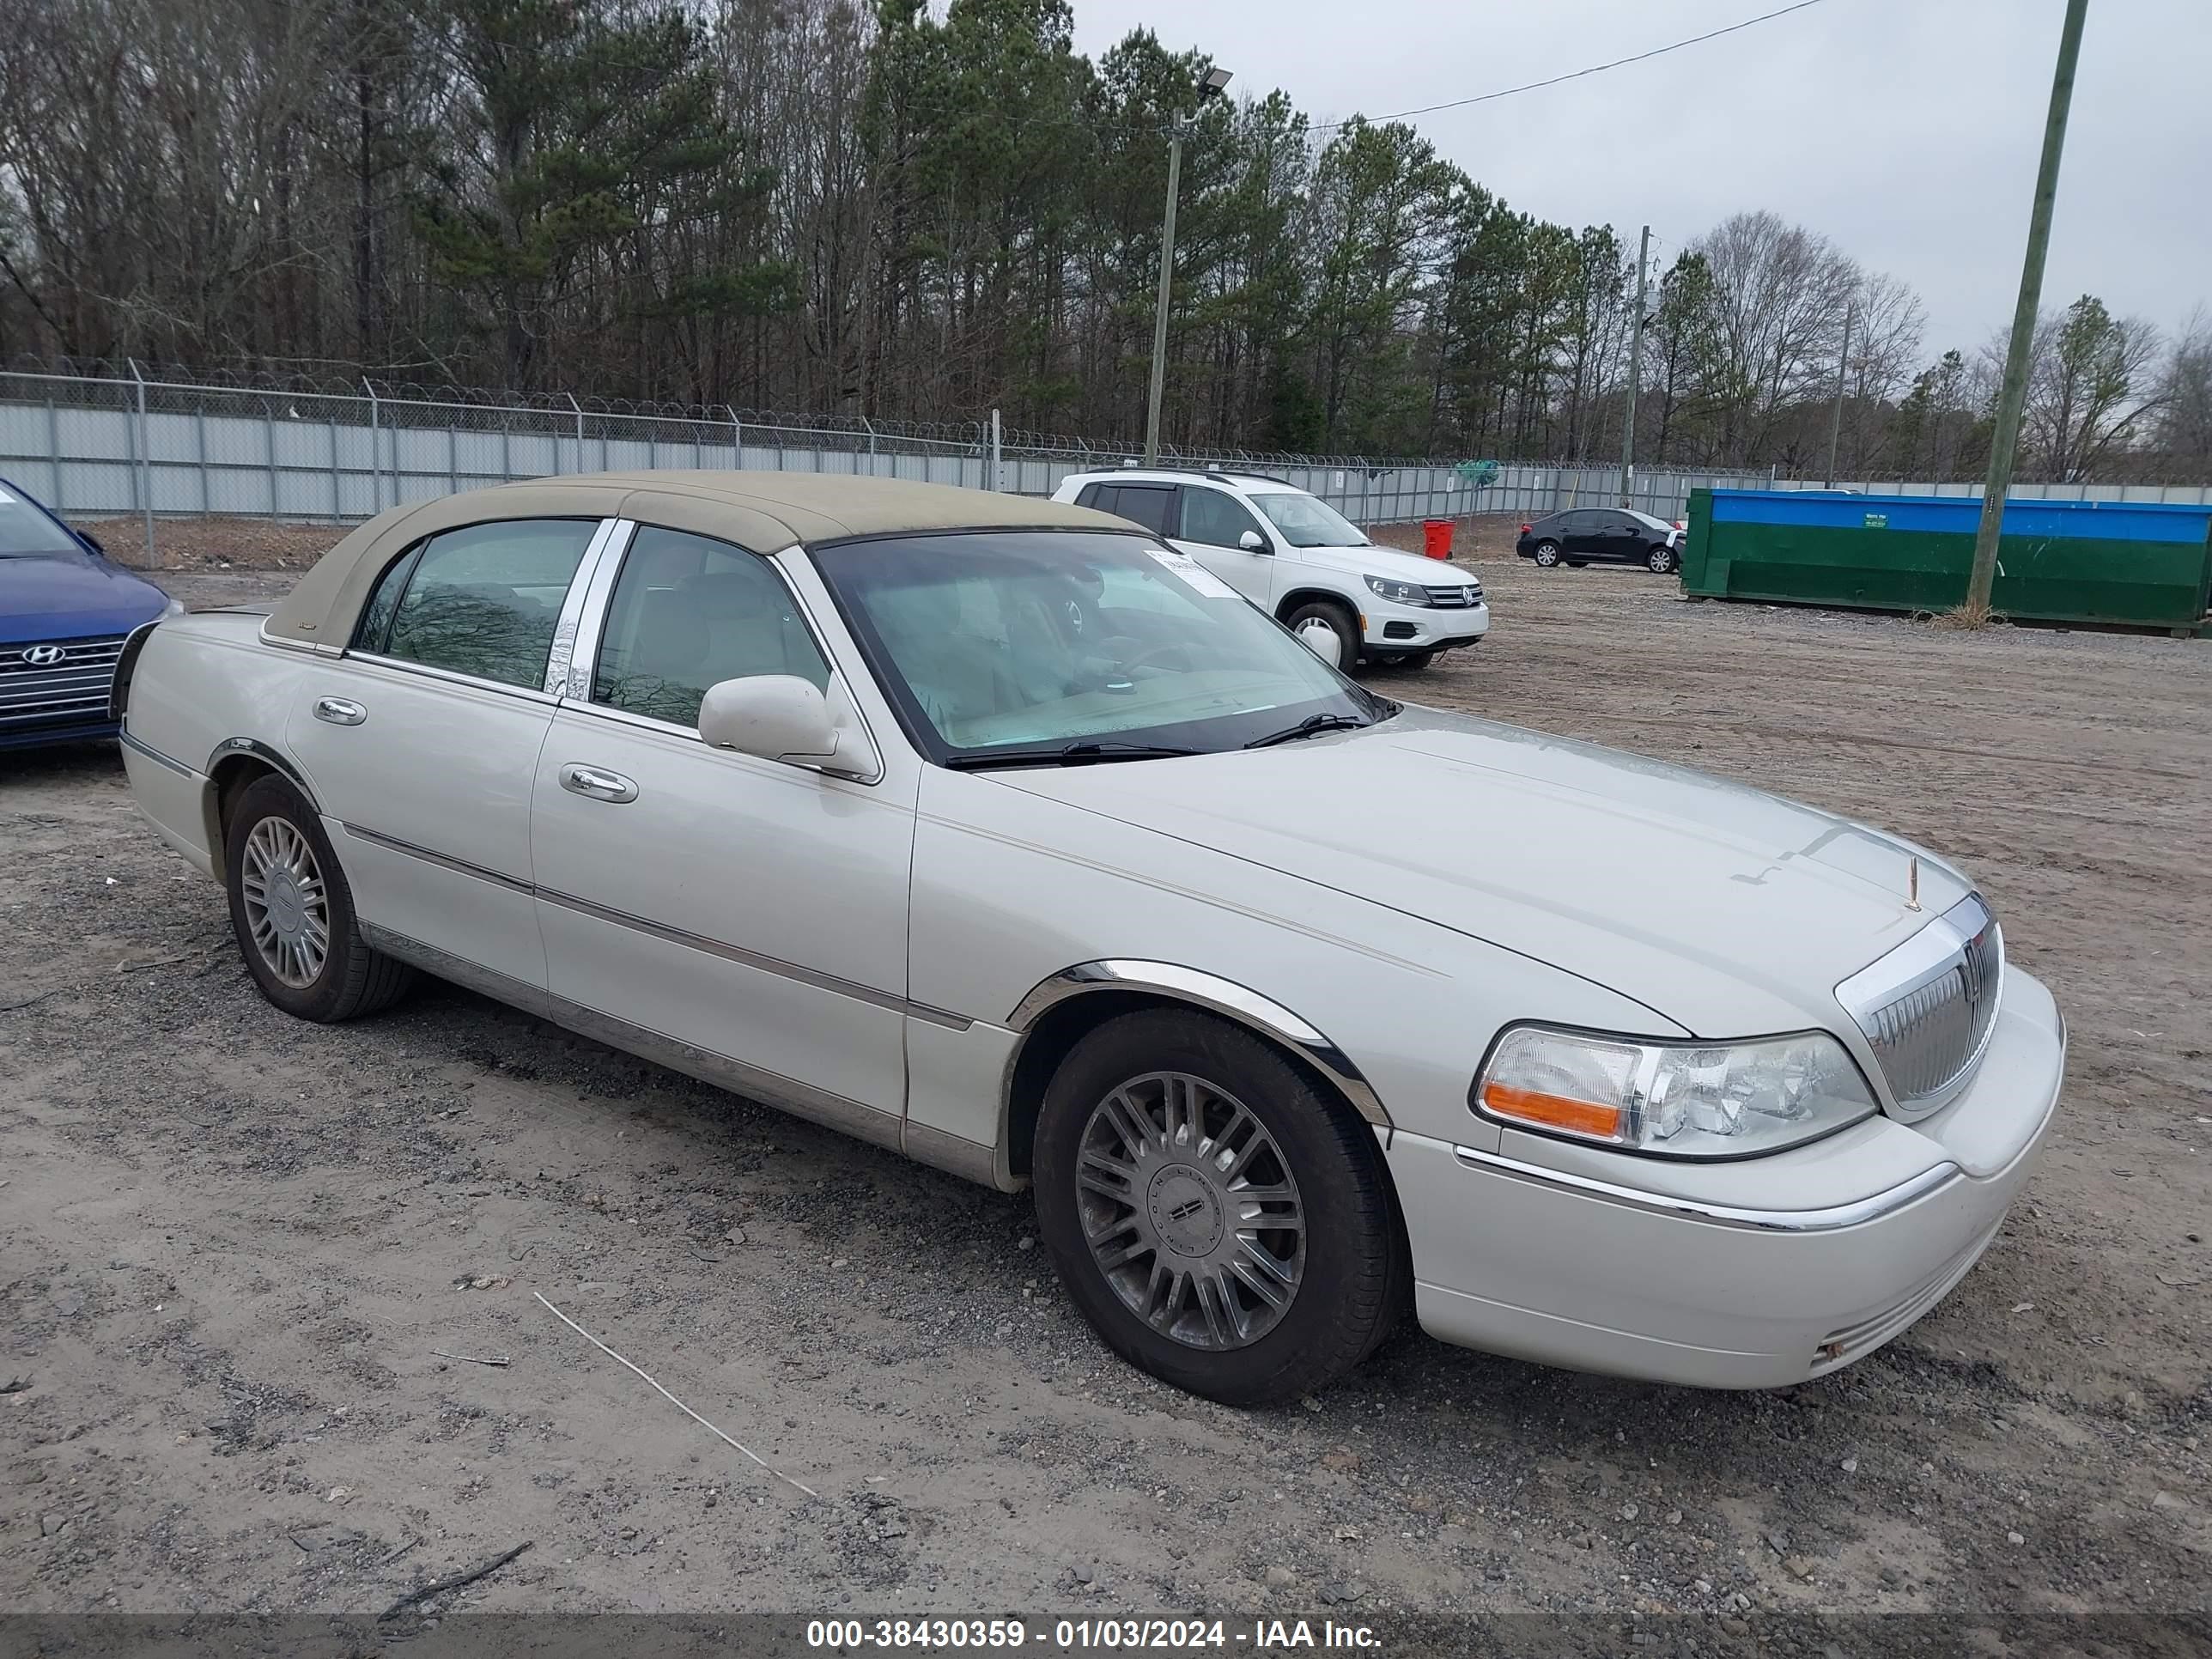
(1689, 1100)
(1398, 593)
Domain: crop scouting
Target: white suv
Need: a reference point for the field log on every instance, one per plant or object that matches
(1298, 558)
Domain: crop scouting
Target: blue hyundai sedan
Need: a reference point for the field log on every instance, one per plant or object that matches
(65, 611)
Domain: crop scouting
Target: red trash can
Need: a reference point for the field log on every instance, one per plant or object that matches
(1436, 538)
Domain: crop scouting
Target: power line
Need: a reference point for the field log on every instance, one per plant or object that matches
(1573, 75)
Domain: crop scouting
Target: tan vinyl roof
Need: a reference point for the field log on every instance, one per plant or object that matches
(764, 511)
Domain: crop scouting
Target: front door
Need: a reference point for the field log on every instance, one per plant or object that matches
(421, 742)
(1211, 528)
(751, 912)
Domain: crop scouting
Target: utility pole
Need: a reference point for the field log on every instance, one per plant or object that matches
(1635, 370)
(2012, 395)
(1210, 86)
(1160, 311)
(1836, 420)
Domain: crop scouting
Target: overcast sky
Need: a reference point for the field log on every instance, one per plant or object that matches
(1906, 131)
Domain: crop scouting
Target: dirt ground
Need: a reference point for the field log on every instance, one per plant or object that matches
(232, 1247)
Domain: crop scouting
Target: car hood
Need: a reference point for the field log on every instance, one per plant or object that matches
(1728, 911)
(1384, 562)
(66, 597)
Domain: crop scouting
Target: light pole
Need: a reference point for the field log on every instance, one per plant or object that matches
(2013, 391)
(1635, 365)
(1211, 87)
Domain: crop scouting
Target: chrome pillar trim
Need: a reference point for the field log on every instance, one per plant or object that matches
(777, 965)
(589, 599)
(562, 652)
(1827, 1219)
(393, 844)
(1223, 996)
(850, 1117)
(486, 981)
(1927, 1009)
(140, 747)
(968, 1159)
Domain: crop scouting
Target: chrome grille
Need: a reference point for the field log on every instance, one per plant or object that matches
(70, 691)
(1927, 1008)
(1461, 596)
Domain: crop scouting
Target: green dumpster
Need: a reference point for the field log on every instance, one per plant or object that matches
(2140, 564)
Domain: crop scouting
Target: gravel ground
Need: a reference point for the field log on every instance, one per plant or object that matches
(232, 1245)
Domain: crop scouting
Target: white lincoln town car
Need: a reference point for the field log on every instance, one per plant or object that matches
(998, 832)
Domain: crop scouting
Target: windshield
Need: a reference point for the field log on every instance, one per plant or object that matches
(26, 533)
(995, 641)
(1306, 520)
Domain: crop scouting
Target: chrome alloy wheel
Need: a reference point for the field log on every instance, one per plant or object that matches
(1190, 1211)
(1318, 637)
(287, 908)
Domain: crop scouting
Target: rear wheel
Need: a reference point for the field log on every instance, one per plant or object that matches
(1327, 631)
(1221, 1221)
(1548, 554)
(1663, 560)
(292, 911)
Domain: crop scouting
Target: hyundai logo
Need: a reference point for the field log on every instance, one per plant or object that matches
(44, 656)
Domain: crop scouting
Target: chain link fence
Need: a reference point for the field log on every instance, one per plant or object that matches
(99, 441)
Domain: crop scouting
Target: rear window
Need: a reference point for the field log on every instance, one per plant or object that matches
(1144, 504)
(480, 601)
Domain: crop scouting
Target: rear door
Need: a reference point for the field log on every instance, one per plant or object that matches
(421, 742)
(1211, 526)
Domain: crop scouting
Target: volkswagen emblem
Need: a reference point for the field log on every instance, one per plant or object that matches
(44, 656)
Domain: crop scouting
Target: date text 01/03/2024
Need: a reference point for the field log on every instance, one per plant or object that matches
(850, 1635)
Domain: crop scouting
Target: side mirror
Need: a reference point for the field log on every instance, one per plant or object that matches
(1253, 542)
(781, 717)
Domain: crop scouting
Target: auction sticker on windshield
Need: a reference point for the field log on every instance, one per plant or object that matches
(1194, 572)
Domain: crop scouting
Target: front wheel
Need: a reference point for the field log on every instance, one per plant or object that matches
(1548, 554)
(292, 911)
(1222, 1222)
(1663, 560)
(1324, 630)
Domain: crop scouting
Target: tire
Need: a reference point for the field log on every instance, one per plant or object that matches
(1548, 554)
(1326, 613)
(283, 880)
(1345, 1270)
(1662, 561)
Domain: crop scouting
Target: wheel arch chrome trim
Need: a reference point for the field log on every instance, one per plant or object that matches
(1828, 1219)
(1200, 989)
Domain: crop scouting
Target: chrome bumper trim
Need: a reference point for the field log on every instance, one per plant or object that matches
(1721, 1215)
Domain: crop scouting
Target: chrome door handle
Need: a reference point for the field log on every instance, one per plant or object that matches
(340, 711)
(597, 784)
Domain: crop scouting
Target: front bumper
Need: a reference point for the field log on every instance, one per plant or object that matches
(1423, 628)
(1520, 1257)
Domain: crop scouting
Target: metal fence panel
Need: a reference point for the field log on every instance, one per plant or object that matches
(84, 445)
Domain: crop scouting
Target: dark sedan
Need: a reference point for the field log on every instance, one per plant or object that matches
(65, 611)
(1602, 535)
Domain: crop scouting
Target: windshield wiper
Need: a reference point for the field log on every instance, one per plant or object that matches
(1083, 752)
(1311, 726)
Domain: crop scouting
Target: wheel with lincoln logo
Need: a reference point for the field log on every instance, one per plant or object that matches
(1219, 1216)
